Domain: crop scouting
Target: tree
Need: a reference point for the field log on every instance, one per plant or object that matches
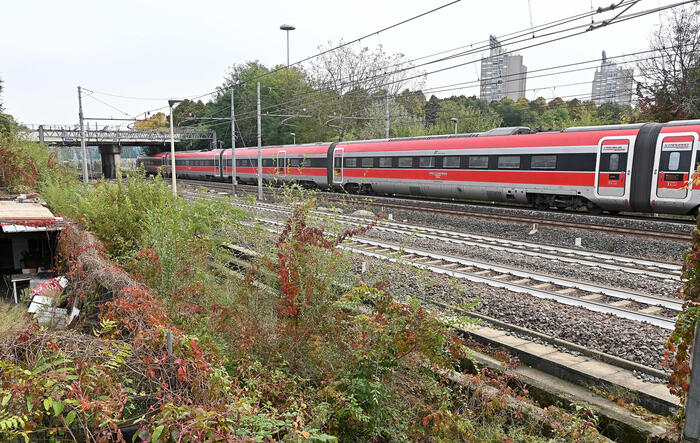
(431, 109)
(287, 101)
(670, 85)
(348, 81)
(539, 105)
(189, 113)
(413, 103)
(155, 121)
(515, 113)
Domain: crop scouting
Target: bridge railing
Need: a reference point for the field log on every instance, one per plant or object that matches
(112, 134)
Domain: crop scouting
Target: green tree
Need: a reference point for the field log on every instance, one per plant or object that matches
(431, 109)
(554, 118)
(284, 94)
(515, 113)
(539, 105)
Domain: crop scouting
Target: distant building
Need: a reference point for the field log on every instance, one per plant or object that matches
(502, 75)
(612, 84)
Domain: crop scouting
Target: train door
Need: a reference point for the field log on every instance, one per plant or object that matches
(613, 168)
(673, 166)
(282, 163)
(338, 154)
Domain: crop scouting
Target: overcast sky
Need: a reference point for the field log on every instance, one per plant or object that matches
(160, 49)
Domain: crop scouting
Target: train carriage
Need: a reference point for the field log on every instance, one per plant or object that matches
(638, 167)
(304, 164)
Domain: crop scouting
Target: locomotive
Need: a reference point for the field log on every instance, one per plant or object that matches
(643, 167)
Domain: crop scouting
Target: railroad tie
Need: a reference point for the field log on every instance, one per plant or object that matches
(542, 286)
(592, 297)
(621, 303)
(433, 262)
(566, 291)
(652, 310)
(521, 281)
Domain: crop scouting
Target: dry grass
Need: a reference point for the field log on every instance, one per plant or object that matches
(13, 318)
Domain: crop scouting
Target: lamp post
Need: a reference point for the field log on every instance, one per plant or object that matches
(173, 171)
(453, 119)
(294, 138)
(287, 28)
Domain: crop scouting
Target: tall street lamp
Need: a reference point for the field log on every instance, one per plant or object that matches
(287, 28)
(294, 138)
(455, 121)
(173, 171)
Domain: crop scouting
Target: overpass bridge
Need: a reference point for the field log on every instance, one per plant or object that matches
(110, 139)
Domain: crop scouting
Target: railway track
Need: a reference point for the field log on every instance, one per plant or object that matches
(387, 203)
(633, 265)
(658, 311)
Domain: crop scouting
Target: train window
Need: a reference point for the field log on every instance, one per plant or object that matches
(267, 162)
(614, 162)
(479, 162)
(543, 162)
(674, 161)
(368, 162)
(405, 162)
(450, 162)
(350, 162)
(426, 162)
(385, 162)
(293, 162)
(509, 162)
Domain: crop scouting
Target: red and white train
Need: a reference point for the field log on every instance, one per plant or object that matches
(637, 167)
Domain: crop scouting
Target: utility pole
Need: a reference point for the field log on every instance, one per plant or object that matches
(233, 147)
(173, 170)
(260, 191)
(386, 115)
(83, 148)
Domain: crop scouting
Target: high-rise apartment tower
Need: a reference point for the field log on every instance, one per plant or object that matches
(502, 75)
(612, 84)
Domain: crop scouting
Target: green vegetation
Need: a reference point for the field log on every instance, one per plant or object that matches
(280, 351)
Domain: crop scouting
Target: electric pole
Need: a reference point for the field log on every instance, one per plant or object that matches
(233, 146)
(260, 191)
(83, 148)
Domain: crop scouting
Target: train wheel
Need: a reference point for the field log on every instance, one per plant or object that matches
(613, 212)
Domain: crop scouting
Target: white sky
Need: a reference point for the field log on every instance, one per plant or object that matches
(179, 48)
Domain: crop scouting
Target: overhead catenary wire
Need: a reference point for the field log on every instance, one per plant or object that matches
(619, 20)
(505, 38)
(623, 18)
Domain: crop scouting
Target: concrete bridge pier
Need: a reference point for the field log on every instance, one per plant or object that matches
(111, 158)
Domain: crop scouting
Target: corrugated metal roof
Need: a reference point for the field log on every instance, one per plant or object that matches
(13, 229)
(19, 217)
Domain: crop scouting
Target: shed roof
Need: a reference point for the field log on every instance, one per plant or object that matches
(16, 216)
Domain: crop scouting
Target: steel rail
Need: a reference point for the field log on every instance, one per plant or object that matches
(667, 271)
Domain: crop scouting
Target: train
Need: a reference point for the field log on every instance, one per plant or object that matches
(644, 167)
